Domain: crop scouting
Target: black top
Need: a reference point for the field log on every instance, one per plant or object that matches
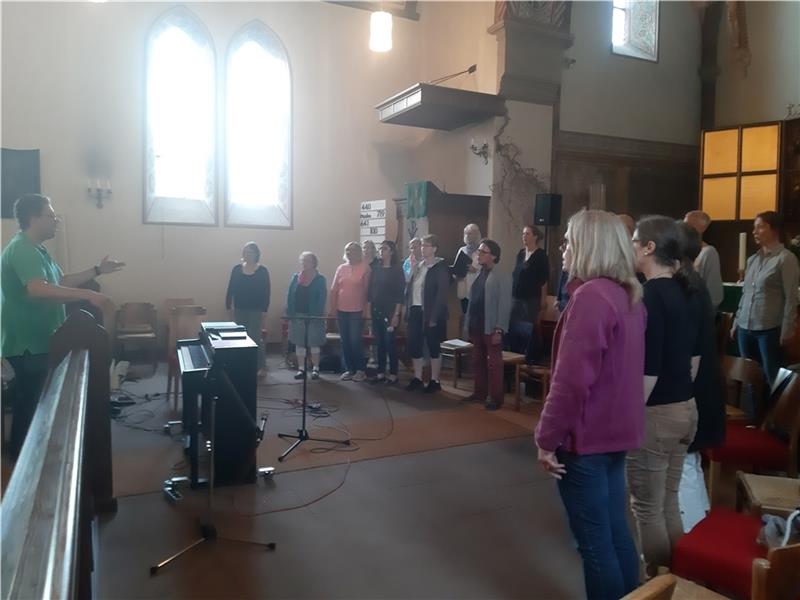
(386, 288)
(530, 276)
(477, 302)
(434, 292)
(669, 343)
(248, 292)
(708, 388)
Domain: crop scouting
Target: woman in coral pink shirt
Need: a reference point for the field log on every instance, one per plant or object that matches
(347, 303)
(594, 412)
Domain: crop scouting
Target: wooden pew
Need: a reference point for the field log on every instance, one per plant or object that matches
(62, 478)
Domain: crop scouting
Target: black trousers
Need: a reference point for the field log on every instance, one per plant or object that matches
(420, 333)
(30, 373)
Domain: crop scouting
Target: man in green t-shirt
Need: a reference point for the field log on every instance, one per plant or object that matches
(34, 290)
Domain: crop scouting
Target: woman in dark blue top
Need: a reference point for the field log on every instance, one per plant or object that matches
(386, 297)
(247, 297)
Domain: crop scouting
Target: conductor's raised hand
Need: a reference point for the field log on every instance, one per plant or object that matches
(109, 266)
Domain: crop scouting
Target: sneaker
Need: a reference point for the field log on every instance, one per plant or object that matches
(492, 405)
(432, 387)
(414, 385)
(346, 376)
(379, 378)
(391, 380)
(359, 376)
(315, 374)
(300, 375)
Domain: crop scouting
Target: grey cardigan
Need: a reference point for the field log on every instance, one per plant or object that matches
(497, 303)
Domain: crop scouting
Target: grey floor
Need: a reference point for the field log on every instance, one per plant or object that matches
(476, 521)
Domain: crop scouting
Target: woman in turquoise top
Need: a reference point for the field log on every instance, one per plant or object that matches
(307, 293)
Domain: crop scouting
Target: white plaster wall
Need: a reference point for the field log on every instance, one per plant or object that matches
(607, 94)
(73, 86)
(773, 79)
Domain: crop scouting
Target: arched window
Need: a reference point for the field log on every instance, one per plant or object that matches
(258, 130)
(180, 168)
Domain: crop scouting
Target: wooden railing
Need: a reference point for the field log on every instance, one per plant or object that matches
(62, 478)
(41, 512)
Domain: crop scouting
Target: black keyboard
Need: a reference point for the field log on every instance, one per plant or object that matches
(199, 358)
(193, 357)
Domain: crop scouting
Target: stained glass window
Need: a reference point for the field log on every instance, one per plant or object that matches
(634, 28)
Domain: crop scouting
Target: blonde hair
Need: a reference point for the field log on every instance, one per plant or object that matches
(601, 248)
(359, 252)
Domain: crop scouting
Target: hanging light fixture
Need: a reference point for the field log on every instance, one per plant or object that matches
(380, 31)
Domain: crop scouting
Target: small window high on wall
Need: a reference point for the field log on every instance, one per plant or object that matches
(634, 29)
(180, 156)
(258, 130)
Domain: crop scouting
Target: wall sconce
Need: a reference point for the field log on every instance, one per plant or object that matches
(482, 150)
(380, 31)
(99, 190)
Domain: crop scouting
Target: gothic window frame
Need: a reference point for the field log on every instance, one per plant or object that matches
(280, 214)
(171, 210)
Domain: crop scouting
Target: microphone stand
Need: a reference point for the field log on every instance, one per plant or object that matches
(302, 433)
(208, 531)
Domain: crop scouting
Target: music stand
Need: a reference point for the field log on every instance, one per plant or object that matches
(302, 433)
(208, 531)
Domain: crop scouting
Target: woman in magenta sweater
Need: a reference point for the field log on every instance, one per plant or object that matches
(594, 412)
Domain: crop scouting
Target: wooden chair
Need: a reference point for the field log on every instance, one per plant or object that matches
(743, 373)
(775, 577)
(136, 324)
(658, 588)
(772, 446)
(169, 304)
(525, 372)
(184, 323)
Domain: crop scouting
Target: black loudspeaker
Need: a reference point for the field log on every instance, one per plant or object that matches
(547, 211)
(20, 174)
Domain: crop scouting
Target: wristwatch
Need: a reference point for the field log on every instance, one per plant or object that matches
(97, 271)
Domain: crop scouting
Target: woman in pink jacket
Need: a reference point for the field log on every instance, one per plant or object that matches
(594, 412)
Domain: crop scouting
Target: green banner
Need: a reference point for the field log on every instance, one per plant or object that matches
(417, 199)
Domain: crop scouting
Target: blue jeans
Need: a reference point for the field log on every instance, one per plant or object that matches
(762, 346)
(351, 329)
(386, 343)
(593, 492)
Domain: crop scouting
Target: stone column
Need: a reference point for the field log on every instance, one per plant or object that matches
(530, 62)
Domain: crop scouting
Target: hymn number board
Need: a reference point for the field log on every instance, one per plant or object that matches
(372, 221)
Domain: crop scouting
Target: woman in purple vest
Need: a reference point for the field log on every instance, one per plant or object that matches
(594, 412)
